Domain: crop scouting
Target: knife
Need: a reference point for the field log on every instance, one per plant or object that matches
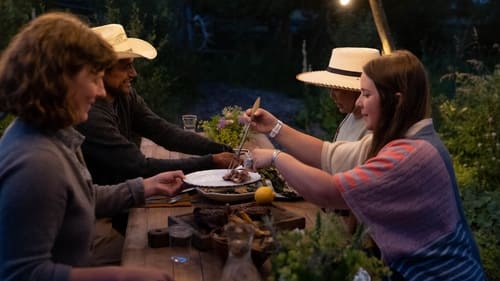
(255, 106)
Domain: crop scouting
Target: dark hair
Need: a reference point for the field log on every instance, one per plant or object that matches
(39, 60)
(399, 72)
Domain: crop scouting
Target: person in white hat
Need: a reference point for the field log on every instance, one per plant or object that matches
(48, 202)
(117, 122)
(114, 129)
(342, 77)
(352, 140)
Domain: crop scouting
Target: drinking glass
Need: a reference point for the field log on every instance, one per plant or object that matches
(180, 242)
(189, 122)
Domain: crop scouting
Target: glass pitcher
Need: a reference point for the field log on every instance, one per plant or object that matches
(239, 265)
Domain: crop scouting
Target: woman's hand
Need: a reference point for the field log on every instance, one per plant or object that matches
(261, 158)
(263, 121)
(166, 183)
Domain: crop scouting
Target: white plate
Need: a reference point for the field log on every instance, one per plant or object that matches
(225, 197)
(213, 178)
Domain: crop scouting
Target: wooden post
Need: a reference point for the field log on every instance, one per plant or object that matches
(382, 26)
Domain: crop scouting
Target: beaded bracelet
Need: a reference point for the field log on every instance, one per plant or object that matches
(276, 152)
(275, 131)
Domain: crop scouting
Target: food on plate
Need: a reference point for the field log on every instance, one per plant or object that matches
(278, 183)
(237, 175)
(264, 195)
(229, 190)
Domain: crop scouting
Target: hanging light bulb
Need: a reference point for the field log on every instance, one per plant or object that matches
(344, 2)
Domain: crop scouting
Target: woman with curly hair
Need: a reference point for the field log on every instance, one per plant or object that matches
(50, 75)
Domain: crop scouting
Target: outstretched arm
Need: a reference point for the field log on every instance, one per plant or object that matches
(313, 184)
(112, 156)
(304, 147)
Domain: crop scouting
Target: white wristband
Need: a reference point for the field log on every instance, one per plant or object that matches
(276, 152)
(275, 131)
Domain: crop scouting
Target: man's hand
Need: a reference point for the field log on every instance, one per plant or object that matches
(224, 159)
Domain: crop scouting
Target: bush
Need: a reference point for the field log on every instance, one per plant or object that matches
(167, 83)
(483, 212)
(13, 14)
(469, 127)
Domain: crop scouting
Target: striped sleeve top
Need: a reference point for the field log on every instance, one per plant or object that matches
(406, 197)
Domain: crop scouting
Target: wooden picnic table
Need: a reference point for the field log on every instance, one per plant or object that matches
(205, 265)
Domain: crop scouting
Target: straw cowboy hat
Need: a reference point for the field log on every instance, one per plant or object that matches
(344, 69)
(125, 47)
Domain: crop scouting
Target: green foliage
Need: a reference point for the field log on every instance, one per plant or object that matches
(483, 212)
(225, 128)
(469, 127)
(4, 123)
(167, 82)
(354, 29)
(13, 14)
(326, 252)
(320, 116)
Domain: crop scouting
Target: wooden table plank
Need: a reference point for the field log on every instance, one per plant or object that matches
(205, 266)
(305, 209)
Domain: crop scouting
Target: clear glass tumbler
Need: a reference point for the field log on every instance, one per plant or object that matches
(180, 242)
(189, 122)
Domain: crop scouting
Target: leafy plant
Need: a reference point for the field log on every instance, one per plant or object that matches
(483, 212)
(14, 14)
(226, 128)
(326, 252)
(167, 83)
(469, 126)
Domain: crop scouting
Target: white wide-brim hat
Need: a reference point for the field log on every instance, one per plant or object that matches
(125, 47)
(344, 69)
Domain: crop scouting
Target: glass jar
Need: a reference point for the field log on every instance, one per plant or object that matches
(239, 265)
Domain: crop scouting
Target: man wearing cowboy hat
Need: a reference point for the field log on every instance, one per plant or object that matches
(117, 122)
(115, 126)
(342, 77)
